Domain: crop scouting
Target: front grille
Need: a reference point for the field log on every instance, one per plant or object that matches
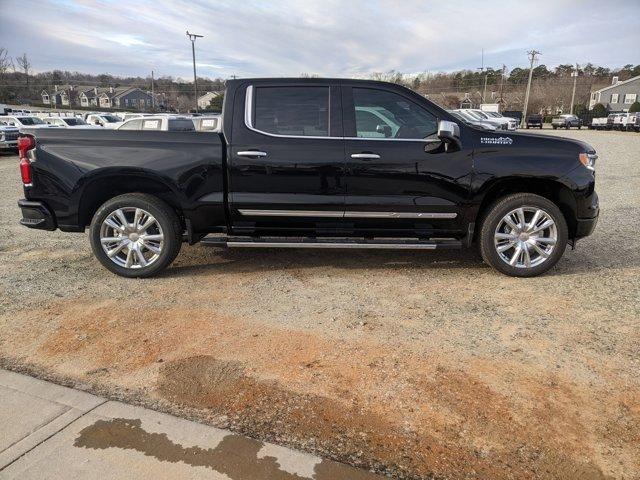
(10, 136)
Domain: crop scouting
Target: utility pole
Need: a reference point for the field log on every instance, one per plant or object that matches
(153, 93)
(504, 71)
(193, 37)
(575, 80)
(484, 90)
(532, 56)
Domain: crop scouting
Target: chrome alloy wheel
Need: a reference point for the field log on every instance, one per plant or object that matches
(131, 237)
(525, 237)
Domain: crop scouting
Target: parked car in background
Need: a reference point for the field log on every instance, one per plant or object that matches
(633, 123)
(209, 123)
(24, 121)
(513, 122)
(167, 123)
(598, 123)
(479, 116)
(566, 121)
(129, 116)
(534, 120)
(611, 120)
(469, 120)
(8, 137)
(105, 120)
(69, 122)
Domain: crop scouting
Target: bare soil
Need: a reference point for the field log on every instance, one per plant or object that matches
(418, 365)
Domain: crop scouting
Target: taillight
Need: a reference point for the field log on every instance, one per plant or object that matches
(25, 144)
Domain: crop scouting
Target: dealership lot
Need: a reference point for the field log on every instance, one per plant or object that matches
(409, 363)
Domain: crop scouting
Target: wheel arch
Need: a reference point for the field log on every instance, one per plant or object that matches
(98, 190)
(553, 190)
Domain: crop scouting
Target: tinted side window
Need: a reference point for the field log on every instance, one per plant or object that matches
(300, 111)
(181, 125)
(398, 117)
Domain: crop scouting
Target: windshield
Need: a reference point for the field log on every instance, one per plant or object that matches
(30, 121)
(493, 114)
(110, 119)
(474, 115)
(72, 122)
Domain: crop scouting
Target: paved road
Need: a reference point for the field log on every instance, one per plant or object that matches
(52, 432)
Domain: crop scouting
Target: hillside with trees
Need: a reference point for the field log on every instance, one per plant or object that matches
(20, 83)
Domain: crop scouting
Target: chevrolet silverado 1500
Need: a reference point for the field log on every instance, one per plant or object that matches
(313, 163)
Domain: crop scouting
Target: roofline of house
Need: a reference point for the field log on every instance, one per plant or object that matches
(617, 84)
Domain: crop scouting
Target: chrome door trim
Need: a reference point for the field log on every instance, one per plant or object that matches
(291, 213)
(400, 215)
(341, 214)
(370, 156)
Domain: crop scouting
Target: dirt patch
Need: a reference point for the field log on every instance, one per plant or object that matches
(191, 381)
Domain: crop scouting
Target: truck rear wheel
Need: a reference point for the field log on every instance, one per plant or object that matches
(523, 235)
(135, 235)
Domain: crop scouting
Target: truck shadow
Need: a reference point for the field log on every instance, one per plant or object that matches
(205, 260)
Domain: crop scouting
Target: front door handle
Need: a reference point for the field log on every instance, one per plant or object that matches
(365, 156)
(251, 153)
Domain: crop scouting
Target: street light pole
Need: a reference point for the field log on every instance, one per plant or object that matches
(575, 80)
(192, 37)
(532, 55)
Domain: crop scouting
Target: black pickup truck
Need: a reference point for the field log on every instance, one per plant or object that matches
(313, 163)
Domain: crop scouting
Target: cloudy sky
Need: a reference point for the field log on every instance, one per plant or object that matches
(328, 37)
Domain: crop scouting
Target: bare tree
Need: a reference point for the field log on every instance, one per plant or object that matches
(25, 66)
(5, 64)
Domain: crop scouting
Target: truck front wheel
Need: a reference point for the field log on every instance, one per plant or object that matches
(135, 235)
(523, 235)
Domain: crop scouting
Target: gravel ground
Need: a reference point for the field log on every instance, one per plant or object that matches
(418, 365)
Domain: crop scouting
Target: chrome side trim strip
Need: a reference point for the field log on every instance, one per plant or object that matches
(291, 213)
(326, 213)
(399, 215)
(388, 246)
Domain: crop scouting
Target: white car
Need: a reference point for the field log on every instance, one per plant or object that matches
(598, 123)
(209, 123)
(8, 137)
(105, 120)
(466, 118)
(481, 117)
(513, 122)
(491, 117)
(159, 122)
(69, 122)
(24, 121)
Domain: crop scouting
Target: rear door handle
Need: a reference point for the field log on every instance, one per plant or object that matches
(365, 156)
(251, 153)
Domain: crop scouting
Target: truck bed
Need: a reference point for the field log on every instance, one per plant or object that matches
(74, 168)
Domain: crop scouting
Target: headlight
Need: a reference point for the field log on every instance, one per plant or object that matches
(588, 160)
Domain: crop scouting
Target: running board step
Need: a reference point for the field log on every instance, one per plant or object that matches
(378, 243)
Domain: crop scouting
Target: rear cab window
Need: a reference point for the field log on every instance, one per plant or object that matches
(180, 125)
(292, 110)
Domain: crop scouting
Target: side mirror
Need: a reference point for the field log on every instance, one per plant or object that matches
(384, 129)
(449, 132)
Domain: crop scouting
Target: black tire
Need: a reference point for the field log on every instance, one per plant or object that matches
(166, 218)
(554, 127)
(494, 215)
